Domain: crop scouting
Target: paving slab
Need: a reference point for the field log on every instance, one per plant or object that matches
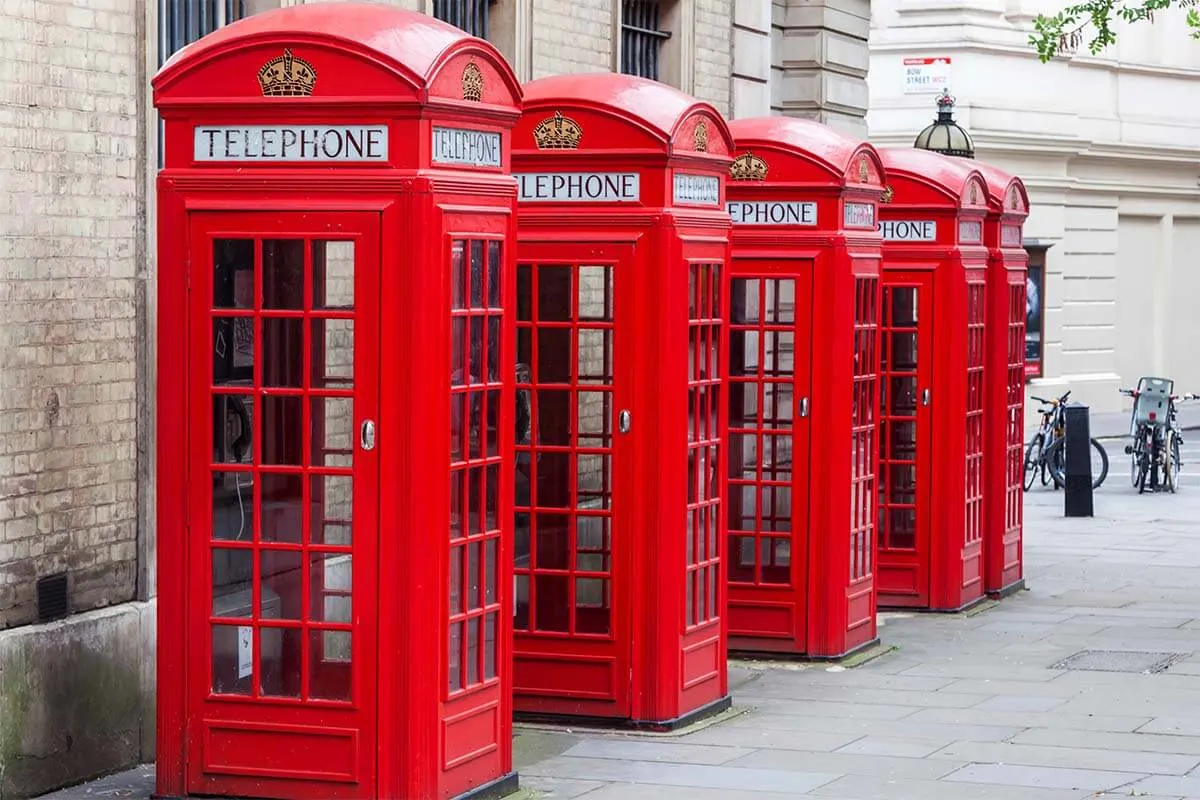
(873, 788)
(1100, 740)
(1068, 757)
(889, 767)
(894, 746)
(1169, 785)
(696, 776)
(659, 751)
(1042, 777)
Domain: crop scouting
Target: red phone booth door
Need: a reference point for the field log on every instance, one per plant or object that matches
(770, 379)
(572, 640)
(905, 471)
(282, 554)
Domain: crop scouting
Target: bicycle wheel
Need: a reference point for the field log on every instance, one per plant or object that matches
(1056, 455)
(1171, 463)
(1135, 470)
(1033, 460)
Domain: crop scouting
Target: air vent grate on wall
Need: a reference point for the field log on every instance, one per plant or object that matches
(52, 597)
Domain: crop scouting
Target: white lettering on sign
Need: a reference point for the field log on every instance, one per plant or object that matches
(290, 143)
(926, 75)
(858, 215)
(700, 190)
(1010, 236)
(461, 146)
(579, 187)
(970, 231)
(772, 213)
(909, 230)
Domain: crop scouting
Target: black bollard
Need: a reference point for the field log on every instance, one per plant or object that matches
(1077, 494)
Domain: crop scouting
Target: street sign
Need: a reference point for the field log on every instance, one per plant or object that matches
(926, 75)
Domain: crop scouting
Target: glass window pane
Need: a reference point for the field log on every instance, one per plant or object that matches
(743, 353)
(282, 507)
(454, 663)
(456, 595)
(474, 551)
(283, 352)
(233, 351)
(553, 602)
(234, 429)
(744, 302)
(232, 658)
(332, 509)
(283, 273)
(458, 332)
(473, 654)
(593, 482)
(281, 592)
(491, 634)
(490, 554)
(521, 603)
(333, 275)
(591, 533)
(329, 665)
(554, 355)
(456, 503)
(595, 293)
(554, 293)
(524, 292)
(492, 498)
(332, 583)
(595, 356)
(332, 431)
(592, 613)
(553, 542)
(493, 344)
(477, 273)
(458, 274)
(333, 353)
(233, 275)
(232, 578)
(233, 506)
(741, 562)
(779, 355)
(282, 430)
(595, 414)
(553, 480)
(280, 657)
(780, 302)
(495, 274)
(475, 350)
(553, 417)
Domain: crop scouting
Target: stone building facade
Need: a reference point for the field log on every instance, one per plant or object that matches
(1106, 145)
(78, 156)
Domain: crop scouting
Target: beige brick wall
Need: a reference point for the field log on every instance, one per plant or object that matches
(68, 226)
(714, 53)
(572, 37)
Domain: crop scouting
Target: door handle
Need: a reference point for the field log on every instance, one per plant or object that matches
(803, 406)
(925, 397)
(366, 435)
(624, 421)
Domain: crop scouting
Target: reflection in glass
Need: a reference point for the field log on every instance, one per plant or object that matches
(233, 351)
(554, 293)
(233, 506)
(281, 571)
(780, 305)
(553, 541)
(593, 481)
(595, 356)
(553, 602)
(494, 274)
(491, 633)
(232, 658)
(743, 353)
(233, 275)
(282, 430)
(332, 431)
(595, 293)
(280, 660)
(232, 578)
(591, 605)
(283, 352)
(332, 509)
(333, 275)
(333, 353)
(283, 274)
(744, 305)
(282, 507)
(477, 273)
(329, 657)
(455, 656)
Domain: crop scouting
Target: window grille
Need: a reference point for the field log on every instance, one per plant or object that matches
(181, 22)
(469, 15)
(641, 38)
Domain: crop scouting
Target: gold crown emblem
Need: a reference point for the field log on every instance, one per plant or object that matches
(886, 197)
(472, 82)
(287, 76)
(557, 133)
(700, 136)
(748, 167)
(864, 171)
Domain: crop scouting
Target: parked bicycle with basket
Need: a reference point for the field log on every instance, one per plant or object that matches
(1046, 456)
(1154, 455)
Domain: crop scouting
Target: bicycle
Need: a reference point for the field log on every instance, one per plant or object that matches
(1046, 452)
(1157, 440)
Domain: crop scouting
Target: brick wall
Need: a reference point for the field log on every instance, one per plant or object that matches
(68, 209)
(714, 55)
(572, 37)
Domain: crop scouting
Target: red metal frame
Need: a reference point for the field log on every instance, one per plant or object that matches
(1008, 207)
(378, 656)
(932, 428)
(803, 385)
(621, 623)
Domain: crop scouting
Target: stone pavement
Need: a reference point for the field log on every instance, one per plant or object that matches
(972, 706)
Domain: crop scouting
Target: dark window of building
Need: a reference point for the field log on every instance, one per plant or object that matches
(1035, 312)
(469, 15)
(181, 22)
(642, 38)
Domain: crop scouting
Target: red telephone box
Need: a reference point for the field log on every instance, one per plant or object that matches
(623, 241)
(1004, 407)
(803, 364)
(931, 490)
(335, 409)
